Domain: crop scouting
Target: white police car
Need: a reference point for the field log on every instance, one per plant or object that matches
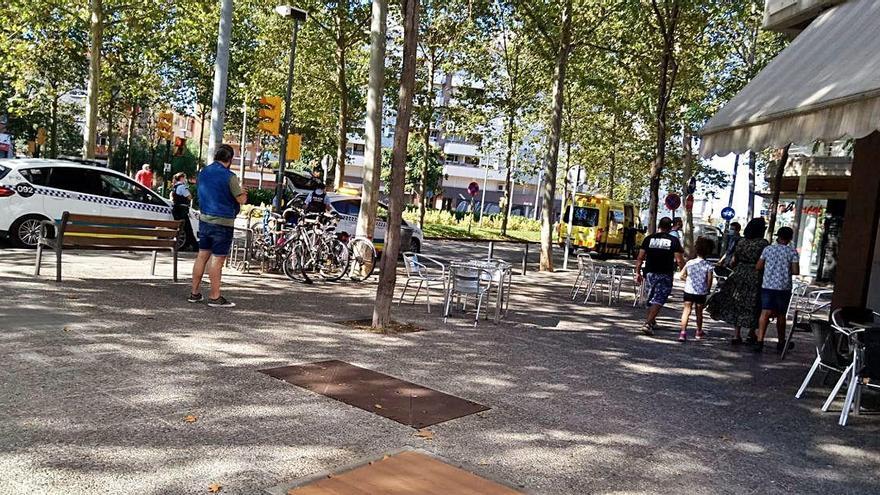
(32, 190)
(348, 207)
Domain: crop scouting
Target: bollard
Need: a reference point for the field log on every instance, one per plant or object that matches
(491, 249)
(525, 259)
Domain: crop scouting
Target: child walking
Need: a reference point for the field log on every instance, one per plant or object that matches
(697, 274)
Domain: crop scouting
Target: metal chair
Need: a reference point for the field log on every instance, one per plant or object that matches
(603, 278)
(805, 305)
(584, 275)
(465, 280)
(862, 365)
(425, 270)
(828, 355)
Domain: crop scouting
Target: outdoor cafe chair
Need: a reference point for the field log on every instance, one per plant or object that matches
(501, 277)
(603, 278)
(425, 270)
(804, 307)
(829, 357)
(584, 275)
(856, 325)
(467, 280)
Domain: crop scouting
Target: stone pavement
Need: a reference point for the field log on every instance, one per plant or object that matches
(100, 372)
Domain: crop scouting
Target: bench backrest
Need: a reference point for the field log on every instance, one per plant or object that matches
(115, 232)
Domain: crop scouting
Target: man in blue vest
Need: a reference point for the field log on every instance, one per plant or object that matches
(220, 198)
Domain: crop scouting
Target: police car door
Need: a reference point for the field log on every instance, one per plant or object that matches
(123, 197)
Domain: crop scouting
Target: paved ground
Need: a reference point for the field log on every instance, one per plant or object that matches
(100, 371)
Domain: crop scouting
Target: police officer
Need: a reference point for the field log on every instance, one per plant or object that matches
(316, 201)
(181, 198)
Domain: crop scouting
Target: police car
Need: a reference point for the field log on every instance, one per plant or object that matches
(348, 207)
(32, 190)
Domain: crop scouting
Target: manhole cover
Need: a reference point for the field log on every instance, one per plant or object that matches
(389, 397)
(406, 473)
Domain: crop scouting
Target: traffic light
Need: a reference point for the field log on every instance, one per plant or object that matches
(294, 144)
(179, 146)
(164, 126)
(270, 115)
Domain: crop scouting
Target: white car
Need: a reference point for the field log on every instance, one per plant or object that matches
(32, 190)
(348, 208)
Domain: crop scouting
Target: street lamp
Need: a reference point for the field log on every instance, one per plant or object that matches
(298, 15)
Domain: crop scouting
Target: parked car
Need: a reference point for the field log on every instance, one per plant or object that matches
(33, 190)
(348, 208)
(710, 232)
(491, 208)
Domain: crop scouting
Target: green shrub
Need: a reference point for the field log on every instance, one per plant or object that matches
(257, 197)
(459, 219)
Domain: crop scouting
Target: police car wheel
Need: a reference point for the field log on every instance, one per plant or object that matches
(25, 232)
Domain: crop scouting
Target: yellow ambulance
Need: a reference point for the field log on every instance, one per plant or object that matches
(600, 224)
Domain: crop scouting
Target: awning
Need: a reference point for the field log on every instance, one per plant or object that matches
(825, 85)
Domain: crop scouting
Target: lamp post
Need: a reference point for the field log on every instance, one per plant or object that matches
(298, 15)
(243, 145)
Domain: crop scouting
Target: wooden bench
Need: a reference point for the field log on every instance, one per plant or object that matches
(112, 233)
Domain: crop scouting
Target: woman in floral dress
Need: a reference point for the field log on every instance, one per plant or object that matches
(739, 301)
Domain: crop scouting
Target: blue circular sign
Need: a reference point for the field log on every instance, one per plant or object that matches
(727, 213)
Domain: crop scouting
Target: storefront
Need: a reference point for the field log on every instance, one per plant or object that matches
(823, 87)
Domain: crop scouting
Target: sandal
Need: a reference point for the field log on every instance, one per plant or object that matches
(682, 337)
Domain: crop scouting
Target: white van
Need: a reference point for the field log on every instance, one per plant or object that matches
(32, 190)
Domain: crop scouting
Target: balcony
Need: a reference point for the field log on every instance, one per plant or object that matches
(792, 16)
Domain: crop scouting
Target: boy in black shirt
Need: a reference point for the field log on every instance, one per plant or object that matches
(660, 253)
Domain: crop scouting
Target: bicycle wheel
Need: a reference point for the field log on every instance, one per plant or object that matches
(333, 260)
(292, 265)
(305, 262)
(363, 259)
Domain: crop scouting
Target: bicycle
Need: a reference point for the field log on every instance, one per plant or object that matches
(363, 258)
(318, 249)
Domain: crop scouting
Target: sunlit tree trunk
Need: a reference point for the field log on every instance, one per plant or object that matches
(388, 274)
(373, 145)
(508, 178)
(96, 34)
(551, 159)
(688, 165)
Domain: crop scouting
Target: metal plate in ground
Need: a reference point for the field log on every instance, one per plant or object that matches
(406, 473)
(389, 397)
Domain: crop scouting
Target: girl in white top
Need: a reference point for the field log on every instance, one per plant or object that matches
(697, 274)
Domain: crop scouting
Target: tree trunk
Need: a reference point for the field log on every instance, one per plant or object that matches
(129, 138)
(659, 162)
(613, 172)
(429, 119)
(508, 184)
(201, 139)
(388, 274)
(777, 187)
(688, 162)
(551, 159)
(342, 87)
(96, 34)
(751, 210)
(53, 144)
(373, 143)
(110, 134)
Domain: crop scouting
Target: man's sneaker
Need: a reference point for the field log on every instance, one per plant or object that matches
(194, 298)
(220, 302)
(648, 329)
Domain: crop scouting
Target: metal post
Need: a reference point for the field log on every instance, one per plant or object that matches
(483, 198)
(491, 249)
(799, 202)
(512, 190)
(285, 126)
(243, 147)
(525, 259)
(221, 70)
(538, 191)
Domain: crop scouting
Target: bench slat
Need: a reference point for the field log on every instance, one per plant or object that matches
(123, 221)
(153, 232)
(118, 241)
